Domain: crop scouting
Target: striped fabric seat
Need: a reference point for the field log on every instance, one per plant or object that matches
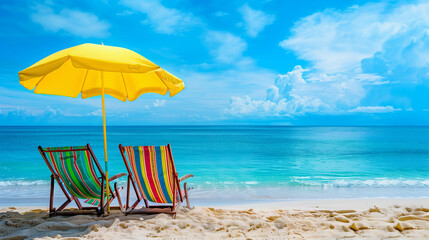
(153, 172)
(77, 172)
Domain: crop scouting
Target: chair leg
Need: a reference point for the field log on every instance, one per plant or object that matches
(52, 210)
(64, 205)
(118, 196)
(101, 209)
(128, 193)
(78, 204)
(51, 197)
(185, 186)
(127, 211)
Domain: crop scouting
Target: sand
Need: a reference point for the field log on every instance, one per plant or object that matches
(315, 219)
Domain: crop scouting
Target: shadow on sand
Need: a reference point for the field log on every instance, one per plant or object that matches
(37, 224)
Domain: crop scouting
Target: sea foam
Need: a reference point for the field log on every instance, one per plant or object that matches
(7, 183)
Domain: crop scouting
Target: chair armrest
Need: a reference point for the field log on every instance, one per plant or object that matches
(183, 178)
(117, 176)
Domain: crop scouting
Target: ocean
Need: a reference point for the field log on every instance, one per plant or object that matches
(235, 164)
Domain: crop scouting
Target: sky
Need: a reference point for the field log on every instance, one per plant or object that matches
(243, 62)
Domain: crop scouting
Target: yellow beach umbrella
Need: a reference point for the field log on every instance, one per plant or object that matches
(93, 70)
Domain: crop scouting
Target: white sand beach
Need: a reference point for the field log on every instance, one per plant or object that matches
(380, 218)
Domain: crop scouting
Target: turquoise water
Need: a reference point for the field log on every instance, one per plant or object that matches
(241, 163)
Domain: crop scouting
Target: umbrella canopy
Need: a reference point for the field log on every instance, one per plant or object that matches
(77, 70)
(93, 70)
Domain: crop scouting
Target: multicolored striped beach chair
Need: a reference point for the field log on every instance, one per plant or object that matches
(153, 176)
(77, 177)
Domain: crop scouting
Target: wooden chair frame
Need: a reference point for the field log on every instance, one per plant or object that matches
(70, 197)
(169, 209)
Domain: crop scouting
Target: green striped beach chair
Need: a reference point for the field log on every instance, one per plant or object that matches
(153, 176)
(74, 170)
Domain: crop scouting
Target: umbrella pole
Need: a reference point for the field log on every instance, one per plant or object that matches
(105, 143)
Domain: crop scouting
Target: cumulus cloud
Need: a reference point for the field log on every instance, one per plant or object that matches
(356, 57)
(337, 41)
(293, 94)
(75, 22)
(404, 58)
(226, 47)
(161, 18)
(254, 21)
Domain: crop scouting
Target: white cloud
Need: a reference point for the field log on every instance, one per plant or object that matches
(98, 112)
(17, 111)
(227, 48)
(161, 18)
(47, 111)
(82, 24)
(292, 94)
(337, 41)
(207, 93)
(404, 57)
(159, 103)
(247, 106)
(254, 21)
(375, 109)
(355, 55)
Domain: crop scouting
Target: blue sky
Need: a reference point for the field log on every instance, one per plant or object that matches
(243, 62)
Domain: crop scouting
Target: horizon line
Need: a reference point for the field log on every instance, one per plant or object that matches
(215, 125)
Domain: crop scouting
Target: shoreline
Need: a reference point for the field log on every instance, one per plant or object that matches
(260, 204)
(38, 195)
(369, 218)
(358, 204)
